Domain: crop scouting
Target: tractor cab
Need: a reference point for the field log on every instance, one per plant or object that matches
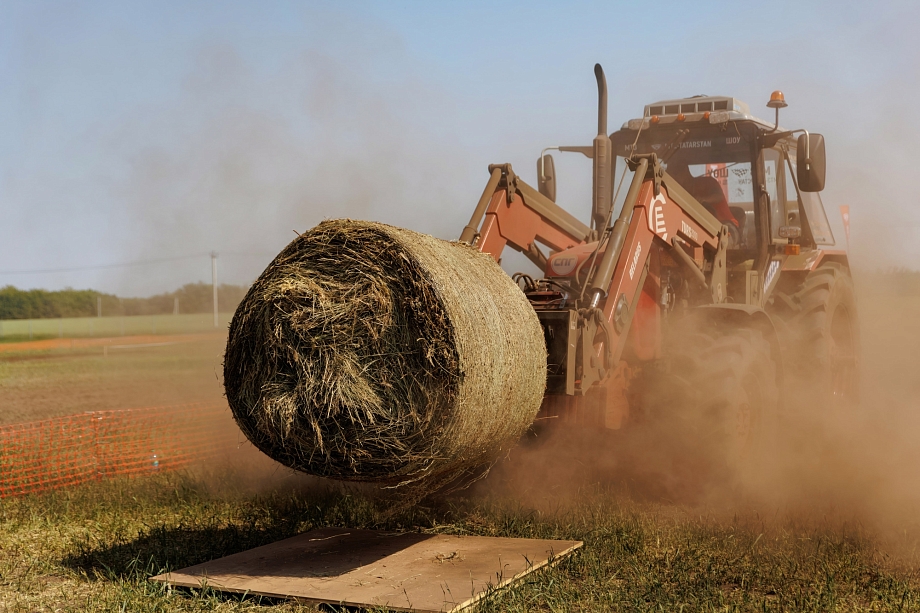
(743, 170)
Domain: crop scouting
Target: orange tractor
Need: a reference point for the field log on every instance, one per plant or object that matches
(703, 271)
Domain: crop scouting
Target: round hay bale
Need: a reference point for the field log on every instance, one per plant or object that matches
(367, 352)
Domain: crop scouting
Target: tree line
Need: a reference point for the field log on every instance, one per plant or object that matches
(42, 304)
(196, 298)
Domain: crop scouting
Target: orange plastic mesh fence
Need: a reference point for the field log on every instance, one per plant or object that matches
(65, 451)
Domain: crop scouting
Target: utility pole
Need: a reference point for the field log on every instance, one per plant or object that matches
(98, 306)
(214, 282)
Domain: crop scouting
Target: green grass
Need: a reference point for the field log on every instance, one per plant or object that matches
(93, 549)
(16, 330)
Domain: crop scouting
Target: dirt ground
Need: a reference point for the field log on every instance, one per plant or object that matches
(37, 382)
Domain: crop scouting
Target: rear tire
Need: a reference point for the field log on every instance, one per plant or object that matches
(823, 345)
(715, 411)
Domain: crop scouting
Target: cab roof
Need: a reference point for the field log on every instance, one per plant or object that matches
(714, 109)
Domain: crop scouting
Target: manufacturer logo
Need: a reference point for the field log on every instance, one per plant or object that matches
(771, 272)
(563, 265)
(635, 261)
(656, 221)
(696, 144)
(688, 231)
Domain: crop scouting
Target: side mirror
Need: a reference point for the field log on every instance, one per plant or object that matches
(811, 162)
(546, 177)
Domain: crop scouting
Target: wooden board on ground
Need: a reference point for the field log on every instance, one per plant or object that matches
(369, 568)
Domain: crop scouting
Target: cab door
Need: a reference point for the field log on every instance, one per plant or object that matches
(804, 209)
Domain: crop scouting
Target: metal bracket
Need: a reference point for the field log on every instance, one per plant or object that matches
(657, 174)
(654, 168)
(753, 287)
(590, 322)
(509, 179)
(718, 280)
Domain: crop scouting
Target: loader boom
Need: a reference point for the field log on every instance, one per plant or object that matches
(657, 216)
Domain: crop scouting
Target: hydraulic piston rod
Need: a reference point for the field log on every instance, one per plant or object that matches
(604, 273)
(469, 232)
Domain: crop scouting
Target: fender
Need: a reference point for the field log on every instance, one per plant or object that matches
(810, 260)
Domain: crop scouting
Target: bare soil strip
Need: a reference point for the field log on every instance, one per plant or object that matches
(81, 343)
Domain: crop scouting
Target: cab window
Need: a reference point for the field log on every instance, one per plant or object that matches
(735, 180)
(771, 162)
(810, 203)
(793, 218)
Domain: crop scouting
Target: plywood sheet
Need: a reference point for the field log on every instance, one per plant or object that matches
(368, 568)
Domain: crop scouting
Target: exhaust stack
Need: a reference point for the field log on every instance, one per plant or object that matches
(601, 100)
(602, 157)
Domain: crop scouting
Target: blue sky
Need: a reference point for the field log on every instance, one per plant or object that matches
(140, 131)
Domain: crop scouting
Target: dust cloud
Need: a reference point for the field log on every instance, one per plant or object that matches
(217, 168)
(859, 465)
(226, 147)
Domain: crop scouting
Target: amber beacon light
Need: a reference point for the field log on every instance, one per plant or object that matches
(777, 100)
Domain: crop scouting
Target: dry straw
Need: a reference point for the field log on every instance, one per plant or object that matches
(366, 352)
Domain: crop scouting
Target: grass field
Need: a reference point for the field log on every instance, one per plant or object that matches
(92, 549)
(13, 330)
(845, 536)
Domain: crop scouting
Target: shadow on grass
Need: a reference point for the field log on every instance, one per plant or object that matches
(207, 534)
(162, 549)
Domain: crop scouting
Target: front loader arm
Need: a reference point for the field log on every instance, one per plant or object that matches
(658, 215)
(664, 217)
(514, 214)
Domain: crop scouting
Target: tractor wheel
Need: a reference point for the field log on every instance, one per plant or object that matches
(715, 411)
(823, 344)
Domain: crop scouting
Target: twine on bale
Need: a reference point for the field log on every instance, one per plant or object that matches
(367, 352)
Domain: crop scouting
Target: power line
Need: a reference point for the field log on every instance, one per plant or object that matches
(249, 254)
(39, 271)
